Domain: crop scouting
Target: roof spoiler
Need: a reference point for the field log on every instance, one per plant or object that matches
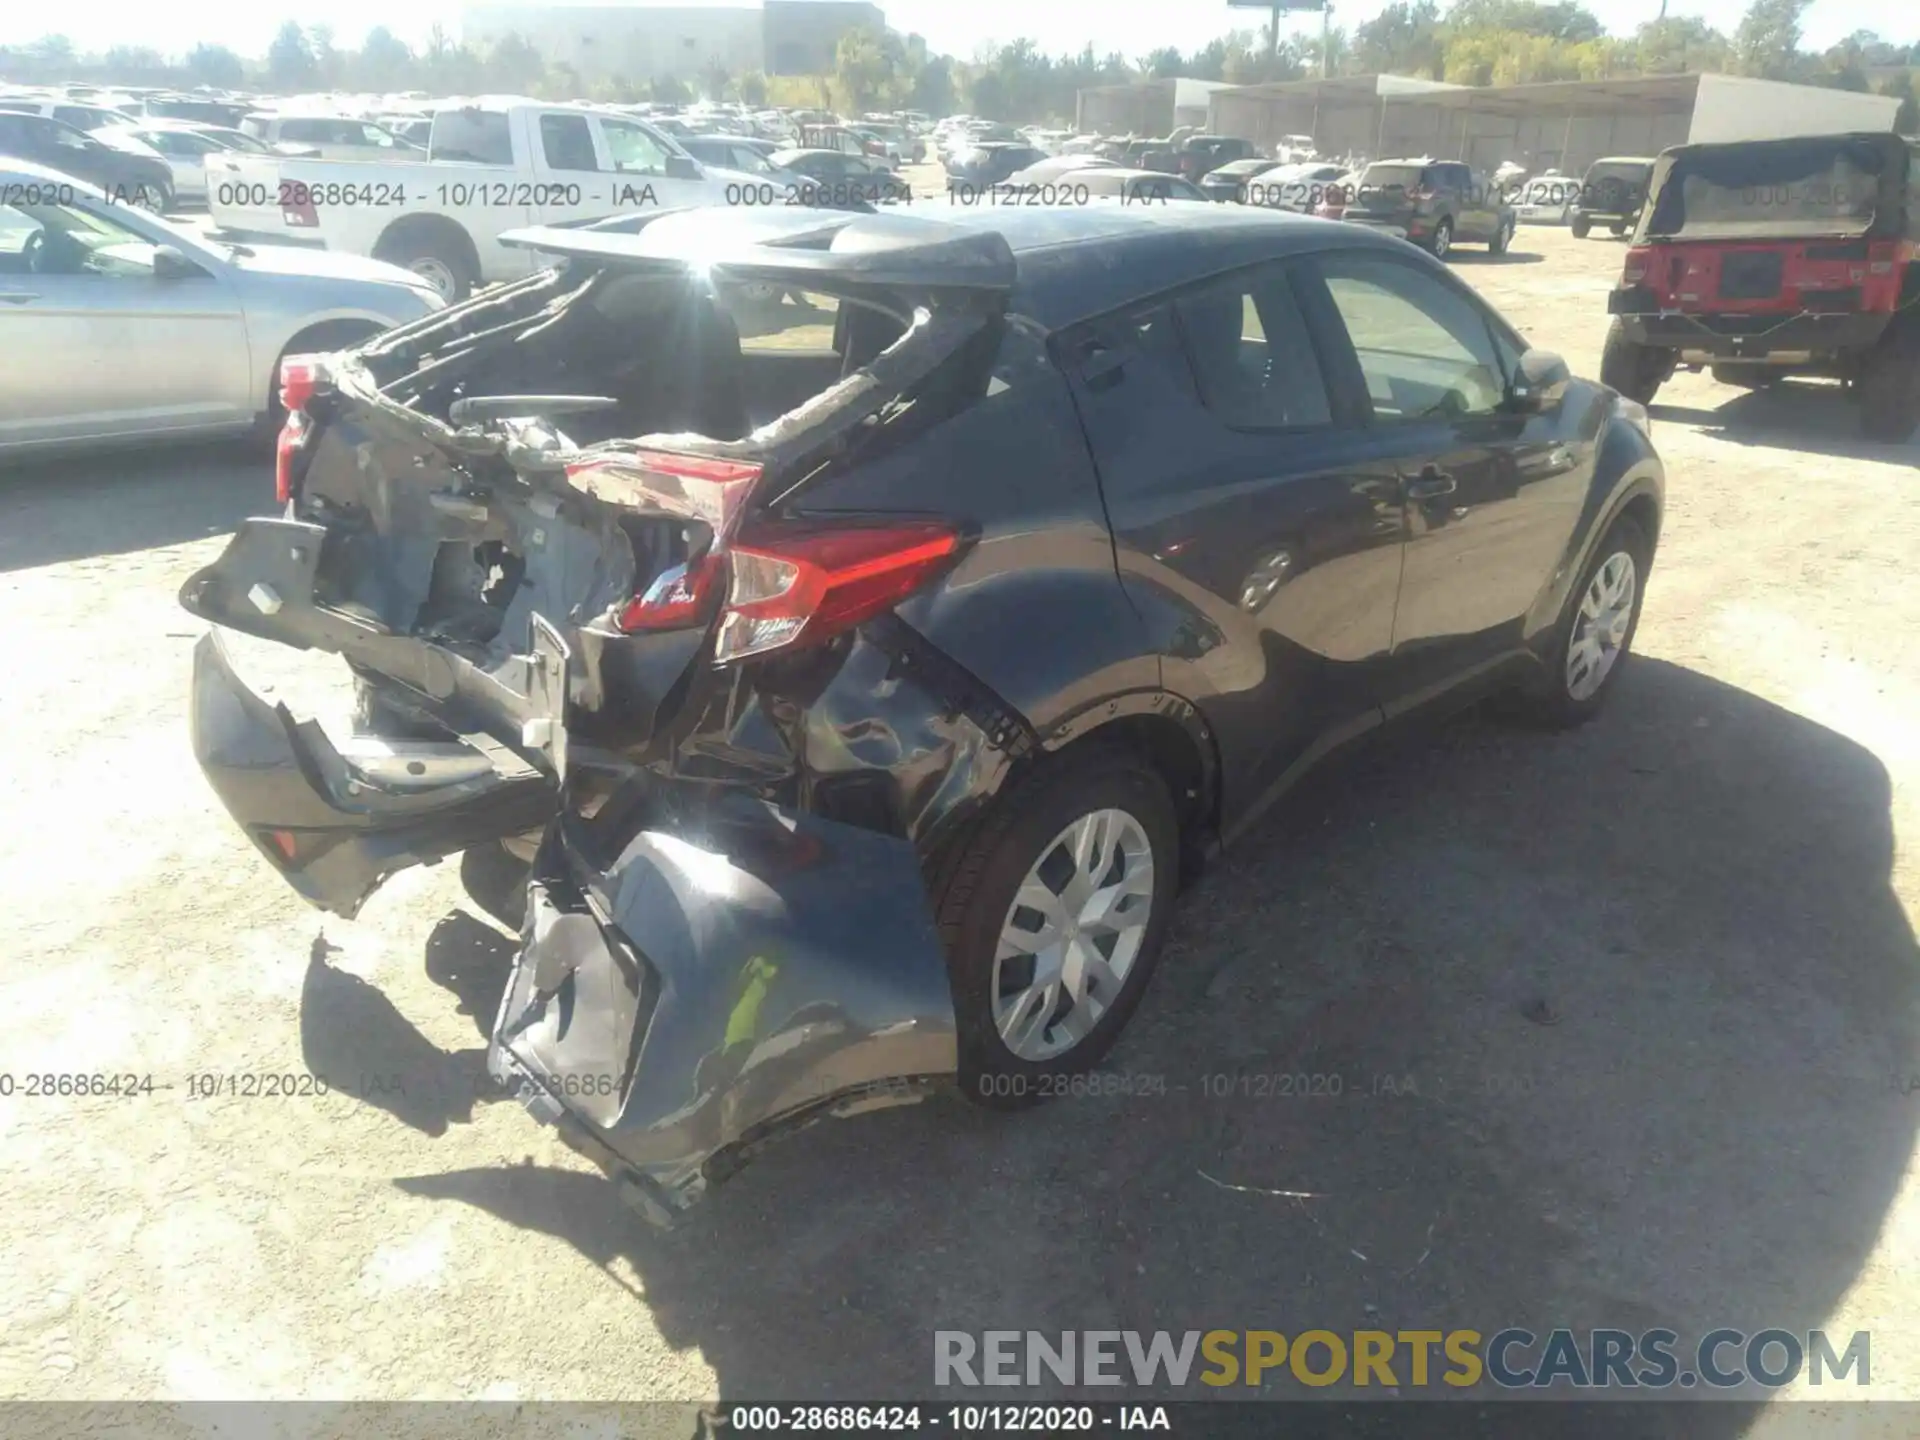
(877, 249)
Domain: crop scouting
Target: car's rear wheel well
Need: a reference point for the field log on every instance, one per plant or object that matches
(413, 236)
(315, 339)
(1179, 759)
(1643, 512)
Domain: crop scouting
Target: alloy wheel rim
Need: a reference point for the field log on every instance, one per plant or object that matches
(1072, 934)
(1443, 240)
(1600, 628)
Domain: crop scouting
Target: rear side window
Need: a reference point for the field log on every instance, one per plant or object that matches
(476, 137)
(1392, 177)
(567, 143)
(794, 322)
(1425, 350)
(1252, 355)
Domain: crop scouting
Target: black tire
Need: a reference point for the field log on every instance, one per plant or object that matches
(1890, 387)
(154, 197)
(1636, 371)
(1440, 243)
(1618, 227)
(1550, 703)
(1502, 238)
(973, 894)
(1582, 227)
(328, 335)
(441, 255)
(1744, 377)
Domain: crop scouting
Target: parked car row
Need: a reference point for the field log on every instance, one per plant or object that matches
(140, 330)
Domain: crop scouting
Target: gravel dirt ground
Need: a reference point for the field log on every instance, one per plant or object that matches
(1708, 889)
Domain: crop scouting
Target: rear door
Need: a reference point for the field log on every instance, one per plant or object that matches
(1491, 497)
(1248, 511)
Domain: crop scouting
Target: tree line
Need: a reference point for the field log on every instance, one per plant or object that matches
(1471, 42)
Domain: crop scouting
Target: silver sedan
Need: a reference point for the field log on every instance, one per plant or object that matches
(117, 326)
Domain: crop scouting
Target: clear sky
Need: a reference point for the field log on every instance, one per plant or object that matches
(957, 27)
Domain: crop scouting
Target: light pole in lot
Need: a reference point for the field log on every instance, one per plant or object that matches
(1276, 8)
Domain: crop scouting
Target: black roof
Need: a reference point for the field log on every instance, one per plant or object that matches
(1068, 263)
(1075, 262)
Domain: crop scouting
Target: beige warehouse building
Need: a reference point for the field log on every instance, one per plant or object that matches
(1560, 124)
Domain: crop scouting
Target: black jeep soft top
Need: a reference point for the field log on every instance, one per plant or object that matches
(1769, 258)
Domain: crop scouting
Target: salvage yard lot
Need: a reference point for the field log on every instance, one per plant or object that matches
(1710, 891)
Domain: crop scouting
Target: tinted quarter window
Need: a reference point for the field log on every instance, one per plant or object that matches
(1154, 336)
(1424, 348)
(1252, 356)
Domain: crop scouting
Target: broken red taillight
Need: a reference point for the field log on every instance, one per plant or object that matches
(791, 586)
(1635, 270)
(787, 584)
(301, 377)
(694, 487)
(676, 599)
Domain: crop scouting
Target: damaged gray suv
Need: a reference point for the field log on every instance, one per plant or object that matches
(866, 622)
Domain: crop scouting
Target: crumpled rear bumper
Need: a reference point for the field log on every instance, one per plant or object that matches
(705, 992)
(333, 823)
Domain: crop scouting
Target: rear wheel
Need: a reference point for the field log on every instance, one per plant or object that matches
(1582, 227)
(1502, 237)
(1890, 387)
(1636, 371)
(1595, 632)
(1618, 227)
(1053, 912)
(153, 197)
(330, 335)
(441, 255)
(1441, 241)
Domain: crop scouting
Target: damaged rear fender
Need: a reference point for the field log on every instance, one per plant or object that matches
(717, 984)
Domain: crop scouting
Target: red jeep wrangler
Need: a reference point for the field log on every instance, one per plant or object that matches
(1769, 258)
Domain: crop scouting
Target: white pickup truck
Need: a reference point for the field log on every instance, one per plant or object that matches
(492, 166)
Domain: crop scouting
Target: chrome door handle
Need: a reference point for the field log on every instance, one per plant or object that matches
(1430, 484)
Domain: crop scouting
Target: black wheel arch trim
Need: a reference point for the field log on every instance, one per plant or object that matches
(1643, 480)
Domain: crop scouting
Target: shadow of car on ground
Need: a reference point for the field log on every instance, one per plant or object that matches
(111, 502)
(1807, 416)
(1484, 1028)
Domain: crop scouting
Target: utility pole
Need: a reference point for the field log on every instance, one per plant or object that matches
(1326, 40)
